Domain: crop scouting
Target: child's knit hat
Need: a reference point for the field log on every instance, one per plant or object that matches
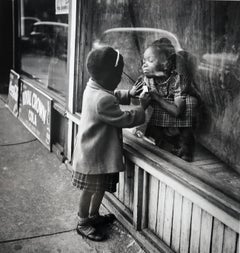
(103, 61)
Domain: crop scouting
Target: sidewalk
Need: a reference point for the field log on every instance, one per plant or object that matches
(38, 204)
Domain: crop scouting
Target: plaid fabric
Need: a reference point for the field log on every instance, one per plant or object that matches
(95, 183)
(164, 119)
(175, 86)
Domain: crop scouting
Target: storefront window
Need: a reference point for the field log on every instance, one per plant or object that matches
(44, 36)
(132, 42)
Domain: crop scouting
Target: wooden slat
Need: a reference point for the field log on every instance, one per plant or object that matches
(176, 167)
(141, 237)
(161, 208)
(217, 236)
(117, 191)
(121, 186)
(145, 199)
(229, 241)
(138, 198)
(185, 225)
(153, 203)
(195, 229)
(127, 182)
(190, 187)
(176, 227)
(238, 244)
(216, 167)
(206, 232)
(205, 162)
(168, 217)
(131, 194)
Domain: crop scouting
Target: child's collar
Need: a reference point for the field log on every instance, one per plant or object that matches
(96, 85)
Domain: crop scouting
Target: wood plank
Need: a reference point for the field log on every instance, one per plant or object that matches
(217, 236)
(145, 199)
(206, 232)
(161, 208)
(168, 216)
(121, 186)
(214, 202)
(169, 164)
(155, 240)
(141, 236)
(127, 182)
(117, 191)
(229, 241)
(195, 229)
(131, 194)
(138, 198)
(205, 162)
(238, 244)
(213, 168)
(176, 229)
(153, 203)
(185, 225)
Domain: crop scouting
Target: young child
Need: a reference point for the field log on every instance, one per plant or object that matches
(173, 101)
(98, 156)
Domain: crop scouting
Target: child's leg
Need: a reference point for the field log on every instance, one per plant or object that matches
(84, 204)
(156, 133)
(94, 215)
(186, 143)
(96, 201)
(84, 227)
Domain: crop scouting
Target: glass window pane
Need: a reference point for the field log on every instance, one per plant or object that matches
(44, 36)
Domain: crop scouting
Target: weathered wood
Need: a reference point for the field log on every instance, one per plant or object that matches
(128, 178)
(206, 232)
(238, 244)
(201, 194)
(141, 236)
(155, 240)
(185, 225)
(145, 199)
(177, 214)
(153, 203)
(131, 194)
(160, 210)
(121, 187)
(213, 168)
(117, 191)
(229, 241)
(138, 198)
(217, 236)
(195, 229)
(168, 216)
(205, 162)
(176, 166)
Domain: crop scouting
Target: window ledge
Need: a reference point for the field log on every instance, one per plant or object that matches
(222, 193)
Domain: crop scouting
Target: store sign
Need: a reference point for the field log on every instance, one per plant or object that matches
(13, 92)
(35, 112)
(61, 6)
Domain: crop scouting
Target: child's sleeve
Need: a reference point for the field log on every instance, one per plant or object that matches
(122, 96)
(109, 112)
(180, 86)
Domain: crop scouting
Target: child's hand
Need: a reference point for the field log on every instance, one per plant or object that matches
(154, 94)
(145, 99)
(136, 89)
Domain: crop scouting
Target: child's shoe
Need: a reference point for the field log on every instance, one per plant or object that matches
(86, 229)
(102, 219)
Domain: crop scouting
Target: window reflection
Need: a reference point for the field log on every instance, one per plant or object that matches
(44, 37)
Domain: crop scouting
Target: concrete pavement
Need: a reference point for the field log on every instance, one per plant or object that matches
(38, 205)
